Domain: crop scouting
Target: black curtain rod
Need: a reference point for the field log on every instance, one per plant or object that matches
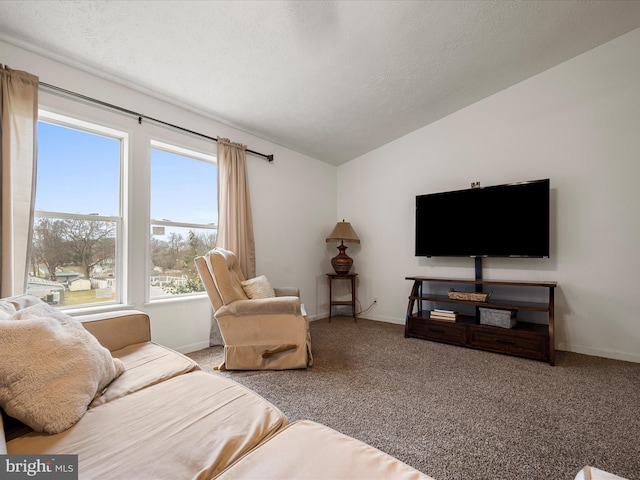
(141, 116)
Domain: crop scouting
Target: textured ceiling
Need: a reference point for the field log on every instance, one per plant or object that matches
(330, 79)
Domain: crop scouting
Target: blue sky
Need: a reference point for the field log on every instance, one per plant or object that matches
(183, 189)
(78, 172)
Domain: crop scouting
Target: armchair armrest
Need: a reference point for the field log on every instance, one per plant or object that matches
(116, 330)
(286, 291)
(262, 306)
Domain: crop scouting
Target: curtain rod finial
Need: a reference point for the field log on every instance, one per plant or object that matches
(270, 158)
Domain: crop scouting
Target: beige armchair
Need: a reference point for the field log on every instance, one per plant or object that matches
(261, 333)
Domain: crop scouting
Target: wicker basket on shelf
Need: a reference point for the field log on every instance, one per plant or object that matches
(469, 296)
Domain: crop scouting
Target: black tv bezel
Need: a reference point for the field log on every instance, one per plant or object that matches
(539, 253)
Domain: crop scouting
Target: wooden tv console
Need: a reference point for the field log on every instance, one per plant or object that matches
(529, 340)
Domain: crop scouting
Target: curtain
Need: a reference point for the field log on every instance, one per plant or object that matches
(235, 224)
(18, 135)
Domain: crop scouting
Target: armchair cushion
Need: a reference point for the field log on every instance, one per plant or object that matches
(227, 277)
(258, 287)
(262, 306)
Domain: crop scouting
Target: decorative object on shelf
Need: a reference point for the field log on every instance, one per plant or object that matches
(469, 296)
(342, 232)
(498, 318)
(446, 315)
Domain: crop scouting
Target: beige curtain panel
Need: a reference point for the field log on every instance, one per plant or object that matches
(235, 223)
(18, 134)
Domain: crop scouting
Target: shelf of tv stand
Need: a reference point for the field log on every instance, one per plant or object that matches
(529, 340)
(492, 303)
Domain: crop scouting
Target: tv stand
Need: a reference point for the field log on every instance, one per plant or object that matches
(529, 340)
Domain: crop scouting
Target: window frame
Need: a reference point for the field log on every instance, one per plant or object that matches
(162, 143)
(98, 127)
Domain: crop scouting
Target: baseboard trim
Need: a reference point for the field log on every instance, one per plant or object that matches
(599, 352)
(368, 316)
(192, 347)
(381, 318)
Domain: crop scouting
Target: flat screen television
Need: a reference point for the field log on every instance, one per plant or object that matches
(509, 220)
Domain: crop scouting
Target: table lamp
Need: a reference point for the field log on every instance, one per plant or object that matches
(342, 232)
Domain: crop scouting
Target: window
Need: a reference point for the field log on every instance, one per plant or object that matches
(121, 208)
(184, 217)
(78, 222)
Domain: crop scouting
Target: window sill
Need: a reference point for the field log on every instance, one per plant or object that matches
(113, 307)
(181, 299)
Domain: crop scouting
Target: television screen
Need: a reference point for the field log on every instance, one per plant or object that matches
(498, 221)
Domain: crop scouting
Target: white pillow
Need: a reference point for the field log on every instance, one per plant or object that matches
(258, 287)
(6, 309)
(51, 368)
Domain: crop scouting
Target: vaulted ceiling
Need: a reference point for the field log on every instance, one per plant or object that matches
(330, 79)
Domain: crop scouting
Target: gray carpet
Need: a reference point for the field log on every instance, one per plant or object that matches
(457, 413)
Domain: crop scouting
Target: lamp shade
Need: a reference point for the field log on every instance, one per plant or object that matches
(342, 232)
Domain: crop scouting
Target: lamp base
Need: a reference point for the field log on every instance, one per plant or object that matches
(342, 262)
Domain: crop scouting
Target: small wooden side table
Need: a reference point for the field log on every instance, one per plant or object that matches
(343, 276)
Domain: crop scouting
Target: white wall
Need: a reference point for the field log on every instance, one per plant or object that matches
(577, 124)
(293, 199)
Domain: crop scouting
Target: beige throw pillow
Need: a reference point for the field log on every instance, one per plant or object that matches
(51, 368)
(258, 287)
